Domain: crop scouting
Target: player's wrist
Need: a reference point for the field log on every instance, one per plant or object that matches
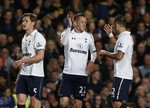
(105, 53)
(91, 61)
(110, 35)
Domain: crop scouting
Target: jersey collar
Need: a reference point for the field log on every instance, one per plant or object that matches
(32, 34)
(123, 33)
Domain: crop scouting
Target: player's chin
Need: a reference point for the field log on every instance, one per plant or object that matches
(24, 28)
(82, 30)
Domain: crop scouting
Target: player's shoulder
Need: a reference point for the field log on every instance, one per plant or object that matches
(40, 35)
(88, 34)
(126, 36)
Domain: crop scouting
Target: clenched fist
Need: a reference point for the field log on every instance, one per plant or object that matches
(102, 52)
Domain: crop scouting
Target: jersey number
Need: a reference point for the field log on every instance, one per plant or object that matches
(35, 90)
(82, 90)
(113, 92)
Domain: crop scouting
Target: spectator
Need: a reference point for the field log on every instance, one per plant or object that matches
(16, 52)
(61, 61)
(146, 20)
(147, 50)
(137, 79)
(97, 102)
(146, 66)
(105, 72)
(142, 4)
(53, 66)
(95, 82)
(3, 41)
(50, 52)
(147, 96)
(106, 102)
(141, 102)
(7, 23)
(7, 101)
(128, 7)
(8, 63)
(3, 81)
(140, 52)
(141, 33)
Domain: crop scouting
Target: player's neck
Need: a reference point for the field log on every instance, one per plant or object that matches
(122, 30)
(28, 32)
(78, 31)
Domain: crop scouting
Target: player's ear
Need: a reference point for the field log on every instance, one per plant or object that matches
(33, 23)
(117, 25)
(75, 23)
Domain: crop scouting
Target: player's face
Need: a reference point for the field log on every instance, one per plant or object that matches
(81, 24)
(115, 29)
(27, 24)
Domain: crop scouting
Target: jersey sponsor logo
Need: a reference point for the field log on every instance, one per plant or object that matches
(78, 51)
(79, 45)
(27, 54)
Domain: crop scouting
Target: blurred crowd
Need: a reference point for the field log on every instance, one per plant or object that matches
(51, 22)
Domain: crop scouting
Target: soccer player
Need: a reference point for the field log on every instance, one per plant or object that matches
(122, 60)
(77, 43)
(31, 75)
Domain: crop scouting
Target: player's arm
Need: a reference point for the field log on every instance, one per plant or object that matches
(117, 55)
(90, 66)
(38, 57)
(108, 30)
(66, 33)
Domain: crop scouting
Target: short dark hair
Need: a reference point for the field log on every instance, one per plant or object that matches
(33, 17)
(76, 16)
(120, 19)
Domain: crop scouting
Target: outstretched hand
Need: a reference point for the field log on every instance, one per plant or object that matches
(108, 28)
(69, 21)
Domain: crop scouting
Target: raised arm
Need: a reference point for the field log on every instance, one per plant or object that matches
(65, 34)
(108, 29)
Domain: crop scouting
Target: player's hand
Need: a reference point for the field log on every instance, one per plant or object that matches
(108, 29)
(90, 67)
(17, 64)
(102, 52)
(69, 21)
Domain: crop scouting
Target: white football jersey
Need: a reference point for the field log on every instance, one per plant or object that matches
(76, 52)
(123, 67)
(30, 44)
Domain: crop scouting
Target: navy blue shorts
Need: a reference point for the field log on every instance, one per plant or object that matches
(30, 85)
(73, 85)
(120, 89)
